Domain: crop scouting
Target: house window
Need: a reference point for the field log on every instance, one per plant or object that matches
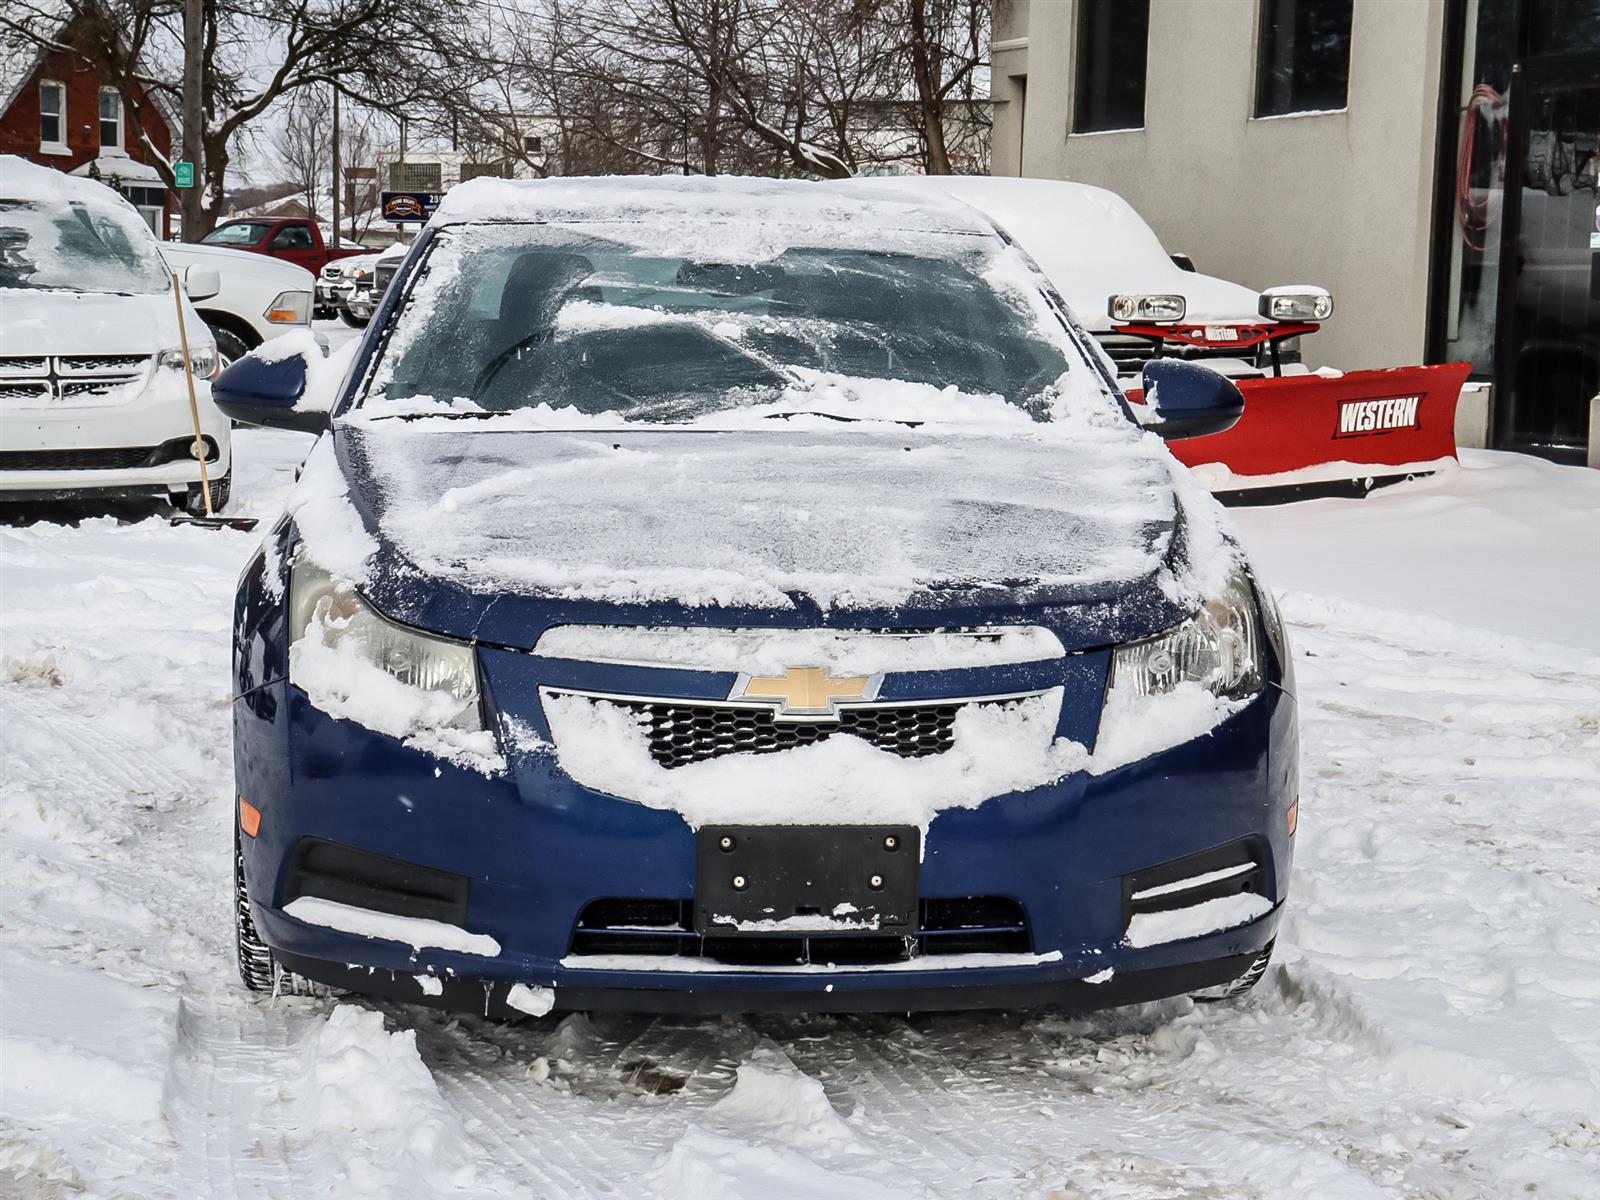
(110, 119)
(52, 115)
(533, 145)
(1303, 63)
(1113, 45)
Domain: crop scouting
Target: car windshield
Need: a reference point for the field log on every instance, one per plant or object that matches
(239, 233)
(51, 247)
(512, 317)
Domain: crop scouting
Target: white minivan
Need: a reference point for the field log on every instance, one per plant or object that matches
(92, 393)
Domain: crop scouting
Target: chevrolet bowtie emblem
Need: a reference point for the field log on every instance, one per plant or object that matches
(806, 693)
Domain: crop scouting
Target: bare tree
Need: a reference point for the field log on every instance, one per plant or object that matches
(253, 53)
(947, 41)
(305, 144)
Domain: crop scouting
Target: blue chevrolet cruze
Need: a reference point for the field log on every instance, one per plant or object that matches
(725, 595)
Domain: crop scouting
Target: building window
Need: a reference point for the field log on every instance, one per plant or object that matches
(415, 177)
(1113, 45)
(1303, 64)
(533, 145)
(52, 115)
(110, 119)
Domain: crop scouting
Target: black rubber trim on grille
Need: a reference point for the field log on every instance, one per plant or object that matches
(955, 925)
(113, 458)
(331, 871)
(681, 733)
(1251, 853)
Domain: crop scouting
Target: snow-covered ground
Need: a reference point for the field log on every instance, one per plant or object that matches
(1431, 1027)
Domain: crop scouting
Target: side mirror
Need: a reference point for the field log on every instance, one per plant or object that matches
(257, 392)
(1188, 401)
(1182, 261)
(201, 283)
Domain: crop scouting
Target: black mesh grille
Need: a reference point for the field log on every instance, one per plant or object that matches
(119, 459)
(99, 363)
(12, 364)
(18, 389)
(957, 925)
(687, 733)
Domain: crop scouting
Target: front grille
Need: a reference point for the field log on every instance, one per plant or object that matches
(946, 926)
(1130, 353)
(118, 459)
(66, 376)
(683, 733)
(382, 276)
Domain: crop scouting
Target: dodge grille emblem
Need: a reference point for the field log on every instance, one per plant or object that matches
(806, 693)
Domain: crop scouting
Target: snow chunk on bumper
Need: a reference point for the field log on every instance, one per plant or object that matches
(998, 749)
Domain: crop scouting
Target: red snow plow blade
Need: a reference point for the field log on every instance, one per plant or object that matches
(1305, 435)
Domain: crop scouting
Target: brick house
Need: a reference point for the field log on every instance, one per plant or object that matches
(58, 110)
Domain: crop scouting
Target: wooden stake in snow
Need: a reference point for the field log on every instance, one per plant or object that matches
(194, 403)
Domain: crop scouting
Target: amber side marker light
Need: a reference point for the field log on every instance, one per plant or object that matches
(1292, 817)
(249, 817)
(283, 316)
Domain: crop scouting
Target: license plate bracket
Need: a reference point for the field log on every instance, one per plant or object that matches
(807, 880)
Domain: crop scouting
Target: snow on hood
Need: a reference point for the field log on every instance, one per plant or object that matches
(91, 323)
(1089, 242)
(745, 518)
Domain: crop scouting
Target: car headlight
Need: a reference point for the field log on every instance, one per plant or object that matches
(1295, 304)
(289, 308)
(203, 360)
(1219, 648)
(1147, 308)
(321, 606)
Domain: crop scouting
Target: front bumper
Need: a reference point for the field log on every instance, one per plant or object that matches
(133, 446)
(537, 848)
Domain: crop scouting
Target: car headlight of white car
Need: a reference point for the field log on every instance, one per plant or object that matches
(203, 360)
(323, 607)
(289, 308)
(1147, 308)
(1296, 304)
(1219, 648)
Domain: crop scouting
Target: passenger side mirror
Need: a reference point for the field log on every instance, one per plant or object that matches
(201, 283)
(257, 392)
(1188, 401)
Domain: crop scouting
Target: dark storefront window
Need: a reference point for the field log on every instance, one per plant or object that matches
(1517, 255)
(1113, 46)
(1303, 62)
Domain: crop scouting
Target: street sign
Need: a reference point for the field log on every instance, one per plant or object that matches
(183, 174)
(409, 206)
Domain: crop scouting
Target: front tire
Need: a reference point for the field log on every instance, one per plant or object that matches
(258, 967)
(1241, 985)
(230, 346)
(194, 500)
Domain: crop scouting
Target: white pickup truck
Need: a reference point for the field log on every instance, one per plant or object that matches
(261, 297)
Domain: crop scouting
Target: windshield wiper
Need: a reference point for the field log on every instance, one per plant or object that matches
(811, 412)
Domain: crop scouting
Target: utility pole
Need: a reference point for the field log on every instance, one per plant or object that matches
(336, 172)
(191, 199)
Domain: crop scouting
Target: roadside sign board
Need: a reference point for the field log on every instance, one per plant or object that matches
(410, 206)
(183, 174)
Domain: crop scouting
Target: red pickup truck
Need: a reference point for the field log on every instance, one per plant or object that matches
(293, 239)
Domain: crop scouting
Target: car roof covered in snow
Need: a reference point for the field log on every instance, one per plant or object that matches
(1090, 242)
(756, 218)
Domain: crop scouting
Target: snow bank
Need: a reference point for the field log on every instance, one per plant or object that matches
(842, 780)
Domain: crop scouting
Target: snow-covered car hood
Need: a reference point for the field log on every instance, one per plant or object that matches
(756, 520)
(41, 322)
(1091, 244)
(231, 262)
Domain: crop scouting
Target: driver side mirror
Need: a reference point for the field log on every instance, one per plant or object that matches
(256, 392)
(201, 283)
(1186, 400)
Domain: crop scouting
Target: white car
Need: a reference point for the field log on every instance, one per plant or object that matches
(342, 282)
(93, 398)
(1136, 299)
(261, 297)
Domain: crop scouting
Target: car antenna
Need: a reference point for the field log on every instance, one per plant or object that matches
(211, 520)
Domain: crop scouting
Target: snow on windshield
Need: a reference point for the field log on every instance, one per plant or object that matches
(517, 317)
(58, 233)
